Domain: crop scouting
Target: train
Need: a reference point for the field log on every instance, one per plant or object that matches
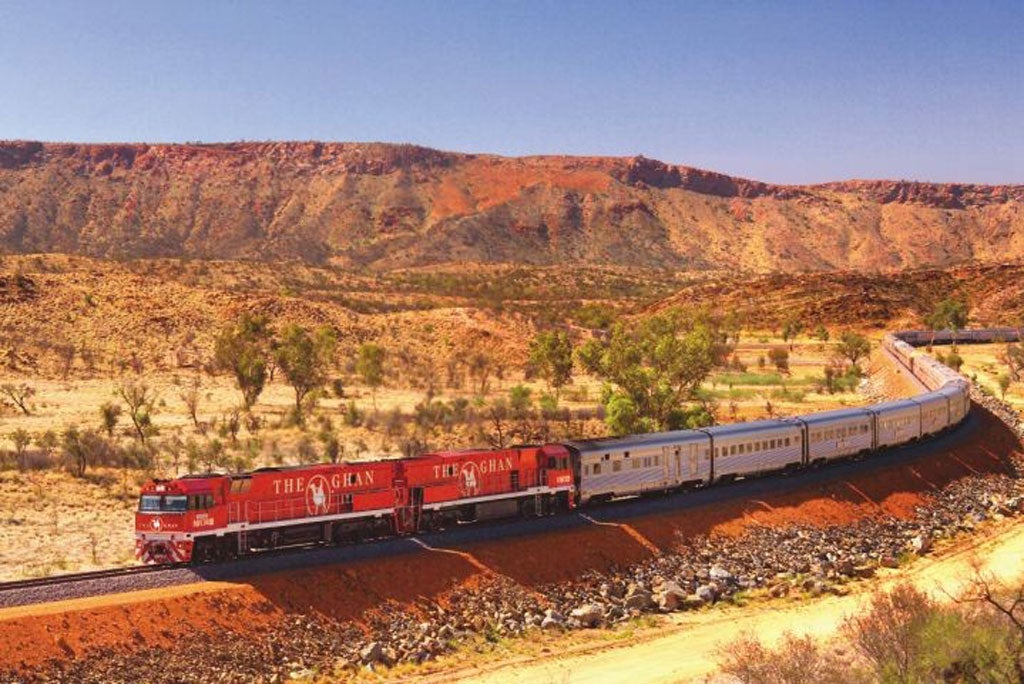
(213, 517)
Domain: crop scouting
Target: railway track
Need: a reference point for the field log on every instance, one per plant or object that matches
(36, 582)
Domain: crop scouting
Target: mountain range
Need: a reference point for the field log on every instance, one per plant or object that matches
(387, 206)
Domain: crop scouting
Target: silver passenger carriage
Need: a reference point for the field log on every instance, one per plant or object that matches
(625, 466)
(748, 448)
(835, 434)
(896, 422)
(934, 412)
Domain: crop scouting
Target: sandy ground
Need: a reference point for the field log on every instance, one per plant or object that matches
(684, 648)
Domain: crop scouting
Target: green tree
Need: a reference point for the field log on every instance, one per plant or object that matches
(659, 362)
(551, 355)
(18, 395)
(370, 366)
(140, 401)
(244, 349)
(779, 356)
(791, 329)
(1004, 384)
(853, 347)
(622, 418)
(110, 413)
(953, 313)
(954, 361)
(21, 439)
(305, 359)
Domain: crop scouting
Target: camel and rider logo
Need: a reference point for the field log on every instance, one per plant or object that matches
(469, 483)
(318, 495)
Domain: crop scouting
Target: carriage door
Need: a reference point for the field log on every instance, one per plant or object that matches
(693, 460)
(679, 464)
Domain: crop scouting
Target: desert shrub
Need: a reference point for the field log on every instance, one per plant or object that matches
(904, 636)
(796, 660)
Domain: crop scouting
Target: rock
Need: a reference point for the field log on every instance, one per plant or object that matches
(889, 562)
(552, 619)
(588, 615)
(639, 600)
(922, 544)
(864, 571)
(717, 572)
(706, 593)
(669, 596)
(845, 567)
(693, 601)
(371, 653)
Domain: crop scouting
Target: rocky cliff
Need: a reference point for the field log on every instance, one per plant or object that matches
(388, 206)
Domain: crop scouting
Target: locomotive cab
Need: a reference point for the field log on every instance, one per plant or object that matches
(170, 516)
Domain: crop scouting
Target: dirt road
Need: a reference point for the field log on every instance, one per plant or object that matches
(684, 650)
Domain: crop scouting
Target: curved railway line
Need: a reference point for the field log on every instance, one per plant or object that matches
(116, 580)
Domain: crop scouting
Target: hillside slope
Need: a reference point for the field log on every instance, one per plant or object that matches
(390, 206)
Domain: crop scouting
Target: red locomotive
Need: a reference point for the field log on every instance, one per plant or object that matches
(210, 517)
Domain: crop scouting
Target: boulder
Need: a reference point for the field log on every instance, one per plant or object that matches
(639, 600)
(692, 602)
(669, 596)
(865, 571)
(706, 593)
(717, 572)
(588, 615)
(921, 544)
(371, 653)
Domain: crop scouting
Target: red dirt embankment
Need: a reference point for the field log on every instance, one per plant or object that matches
(31, 635)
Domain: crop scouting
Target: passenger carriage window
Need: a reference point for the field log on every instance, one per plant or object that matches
(636, 463)
(597, 468)
(787, 441)
(616, 466)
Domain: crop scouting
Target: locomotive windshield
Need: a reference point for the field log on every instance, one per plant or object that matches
(165, 504)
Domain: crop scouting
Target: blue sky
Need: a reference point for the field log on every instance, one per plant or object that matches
(778, 91)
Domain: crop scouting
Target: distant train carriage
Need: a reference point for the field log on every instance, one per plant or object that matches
(762, 446)
(835, 434)
(632, 465)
